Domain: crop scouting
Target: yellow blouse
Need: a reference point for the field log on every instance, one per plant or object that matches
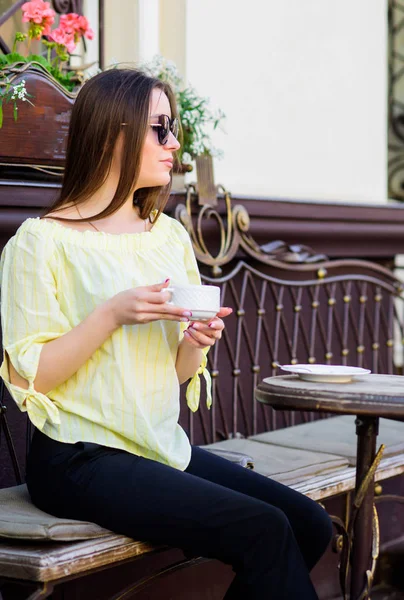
(127, 394)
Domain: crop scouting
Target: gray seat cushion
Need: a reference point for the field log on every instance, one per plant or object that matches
(236, 457)
(283, 464)
(50, 561)
(21, 520)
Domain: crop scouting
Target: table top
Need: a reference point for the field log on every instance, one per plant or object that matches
(373, 395)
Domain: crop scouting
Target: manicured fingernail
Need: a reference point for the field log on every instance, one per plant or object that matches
(187, 313)
(195, 325)
(210, 324)
(168, 279)
(186, 333)
(184, 319)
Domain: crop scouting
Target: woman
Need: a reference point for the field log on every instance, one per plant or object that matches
(96, 355)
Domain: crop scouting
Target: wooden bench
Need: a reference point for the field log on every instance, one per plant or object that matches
(289, 306)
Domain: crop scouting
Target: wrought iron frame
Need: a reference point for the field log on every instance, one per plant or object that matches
(234, 237)
(395, 101)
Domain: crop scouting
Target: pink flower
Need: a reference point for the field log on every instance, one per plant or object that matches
(40, 15)
(85, 28)
(64, 37)
(79, 24)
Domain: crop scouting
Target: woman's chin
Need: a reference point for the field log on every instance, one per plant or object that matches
(159, 181)
(164, 180)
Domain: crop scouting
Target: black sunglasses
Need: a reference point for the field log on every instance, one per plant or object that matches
(164, 126)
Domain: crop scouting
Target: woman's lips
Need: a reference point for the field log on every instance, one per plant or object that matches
(168, 162)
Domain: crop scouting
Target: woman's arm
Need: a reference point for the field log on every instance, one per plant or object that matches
(188, 361)
(62, 357)
(199, 335)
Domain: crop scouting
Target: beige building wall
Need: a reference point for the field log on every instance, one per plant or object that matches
(172, 28)
(121, 31)
(303, 85)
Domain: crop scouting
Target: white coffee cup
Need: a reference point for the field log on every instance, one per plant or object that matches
(202, 300)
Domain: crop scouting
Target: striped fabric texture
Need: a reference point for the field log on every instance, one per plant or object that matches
(127, 394)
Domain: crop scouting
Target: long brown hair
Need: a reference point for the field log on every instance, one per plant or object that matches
(106, 101)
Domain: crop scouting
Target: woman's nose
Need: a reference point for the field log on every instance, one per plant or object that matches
(172, 142)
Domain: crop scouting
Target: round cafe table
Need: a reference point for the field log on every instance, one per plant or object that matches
(368, 397)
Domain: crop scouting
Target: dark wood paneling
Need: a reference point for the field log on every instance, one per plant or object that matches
(338, 230)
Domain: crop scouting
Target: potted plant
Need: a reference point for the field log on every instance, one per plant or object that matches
(197, 117)
(59, 43)
(46, 82)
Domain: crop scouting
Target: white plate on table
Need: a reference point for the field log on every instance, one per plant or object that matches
(325, 373)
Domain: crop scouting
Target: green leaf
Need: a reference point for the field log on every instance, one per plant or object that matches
(41, 60)
(1, 114)
(13, 57)
(15, 111)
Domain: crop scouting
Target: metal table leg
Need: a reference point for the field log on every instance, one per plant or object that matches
(367, 429)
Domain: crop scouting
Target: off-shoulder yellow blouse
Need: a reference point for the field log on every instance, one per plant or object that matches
(127, 394)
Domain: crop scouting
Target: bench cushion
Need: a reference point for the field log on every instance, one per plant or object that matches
(236, 457)
(280, 463)
(47, 561)
(335, 435)
(20, 519)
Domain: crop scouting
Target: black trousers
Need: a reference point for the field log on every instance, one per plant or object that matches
(271, 535)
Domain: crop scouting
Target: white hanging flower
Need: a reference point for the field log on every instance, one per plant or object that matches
(13, 94)
(196, 116)
(186, 158)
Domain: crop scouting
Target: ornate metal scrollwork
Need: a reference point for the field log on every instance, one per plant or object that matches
(67, 6)
(234, 235)
(294, 253)
(396, 100)
(346, 533)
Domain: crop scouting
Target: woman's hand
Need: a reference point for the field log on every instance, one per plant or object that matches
(202, 334)
(140, 305)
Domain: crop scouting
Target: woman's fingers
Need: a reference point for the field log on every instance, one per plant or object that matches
(224, 311)
(192, 341)
(146, 317)
(164, 311)
(201, 338)
(215, 325)
(157, 287)
(156, 297)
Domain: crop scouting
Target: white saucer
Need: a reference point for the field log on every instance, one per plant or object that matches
(202, 315)
(325, 373)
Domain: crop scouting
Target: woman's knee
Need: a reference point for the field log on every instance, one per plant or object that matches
(273, 528)
(265, 528)
(319, 534)
(323, 524)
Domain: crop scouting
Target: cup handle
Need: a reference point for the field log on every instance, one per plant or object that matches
(171, 290)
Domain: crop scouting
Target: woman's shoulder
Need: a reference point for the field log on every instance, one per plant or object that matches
(32, 229)
(172, 224)
(29, 245)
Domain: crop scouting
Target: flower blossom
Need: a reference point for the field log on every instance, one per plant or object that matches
(41, 17)
(19, 91)
(78, 24)
(64, 37)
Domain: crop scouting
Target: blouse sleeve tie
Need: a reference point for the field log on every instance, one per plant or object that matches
(38, 406)
(194, 387)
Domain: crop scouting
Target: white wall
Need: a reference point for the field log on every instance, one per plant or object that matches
(304, 87)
